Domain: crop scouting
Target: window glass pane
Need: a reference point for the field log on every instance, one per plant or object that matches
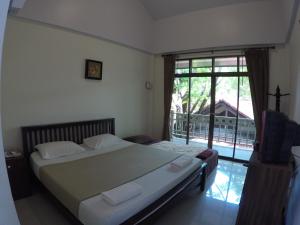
(202, 70)
(202, 66)
(182, 66)
(243, 65)
(181, 71)
(179, 110)
(227, 69)
(228, 64)
(202, 63)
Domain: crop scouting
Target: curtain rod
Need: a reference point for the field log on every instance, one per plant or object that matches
(212, 50)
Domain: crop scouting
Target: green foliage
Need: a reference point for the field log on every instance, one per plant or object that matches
(200, 94)
(245, 92)
(181, 94)
(201, 91)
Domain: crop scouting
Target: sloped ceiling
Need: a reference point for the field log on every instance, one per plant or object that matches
(216, 23)
(121, 21)
(159, 9)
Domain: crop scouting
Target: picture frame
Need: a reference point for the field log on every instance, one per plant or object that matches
(93, 69)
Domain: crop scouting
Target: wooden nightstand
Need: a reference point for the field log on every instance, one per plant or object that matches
(18, 174)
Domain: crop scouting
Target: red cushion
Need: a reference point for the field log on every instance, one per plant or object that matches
(205, 154)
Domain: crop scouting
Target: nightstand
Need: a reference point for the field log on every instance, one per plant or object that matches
(18, 174)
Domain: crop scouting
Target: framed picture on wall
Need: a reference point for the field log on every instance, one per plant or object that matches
(93, 69)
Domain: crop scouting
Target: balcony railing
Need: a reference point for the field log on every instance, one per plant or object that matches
(224, 128)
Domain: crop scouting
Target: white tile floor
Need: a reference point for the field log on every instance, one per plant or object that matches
(218, 205)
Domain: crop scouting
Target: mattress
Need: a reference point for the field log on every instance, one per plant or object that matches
(95, 211)
(179, 148)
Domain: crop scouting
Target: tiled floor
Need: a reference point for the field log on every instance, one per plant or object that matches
(218, 205)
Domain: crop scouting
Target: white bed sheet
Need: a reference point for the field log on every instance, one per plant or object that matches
(95, 211)
(179, 148)
(37, 161)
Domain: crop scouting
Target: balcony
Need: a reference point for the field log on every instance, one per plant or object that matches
(224, 133)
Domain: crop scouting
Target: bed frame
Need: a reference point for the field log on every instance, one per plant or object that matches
(76, 132)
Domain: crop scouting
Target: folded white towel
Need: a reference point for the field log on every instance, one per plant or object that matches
(122, 193)
(182, 162)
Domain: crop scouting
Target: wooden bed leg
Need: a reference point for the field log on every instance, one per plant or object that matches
(203, 178)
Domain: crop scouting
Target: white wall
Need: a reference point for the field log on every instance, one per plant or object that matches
(240, 24)
(124, 22)
(44, 81)
(289, 10)
(279, 74)
(8, 214)
(158, 97)
(294, 47)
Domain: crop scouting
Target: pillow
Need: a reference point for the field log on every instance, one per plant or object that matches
(52, 150)
(205, 154)
(296, 154)
(101, 141)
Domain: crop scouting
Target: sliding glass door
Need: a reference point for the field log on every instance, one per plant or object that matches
(199, 111)
(211, 106)
(179, 110)
(226, 109)
(246, 130)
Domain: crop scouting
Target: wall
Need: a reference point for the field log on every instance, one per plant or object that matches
(294, 47)
(240, 24)
(279, 74)
(7, 209)
(44, 81)
(158, 97)
(289, 10)
(125, 22)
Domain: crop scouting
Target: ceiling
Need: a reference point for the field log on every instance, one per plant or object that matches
(160, 9)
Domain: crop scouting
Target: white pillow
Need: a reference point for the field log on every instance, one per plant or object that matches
(296, 154)
(101, 141)
(52, 150)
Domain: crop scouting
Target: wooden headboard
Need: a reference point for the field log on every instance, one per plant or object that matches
(73, 131)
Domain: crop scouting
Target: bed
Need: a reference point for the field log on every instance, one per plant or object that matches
(160, 186)
(209, 156)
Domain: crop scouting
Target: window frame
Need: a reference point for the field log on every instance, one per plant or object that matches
(212, 73)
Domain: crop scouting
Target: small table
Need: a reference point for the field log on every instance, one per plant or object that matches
(18, 174)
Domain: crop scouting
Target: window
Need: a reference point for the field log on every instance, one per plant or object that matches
(182, 66)
(201, 65)
(226, 65)
(232, 64)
